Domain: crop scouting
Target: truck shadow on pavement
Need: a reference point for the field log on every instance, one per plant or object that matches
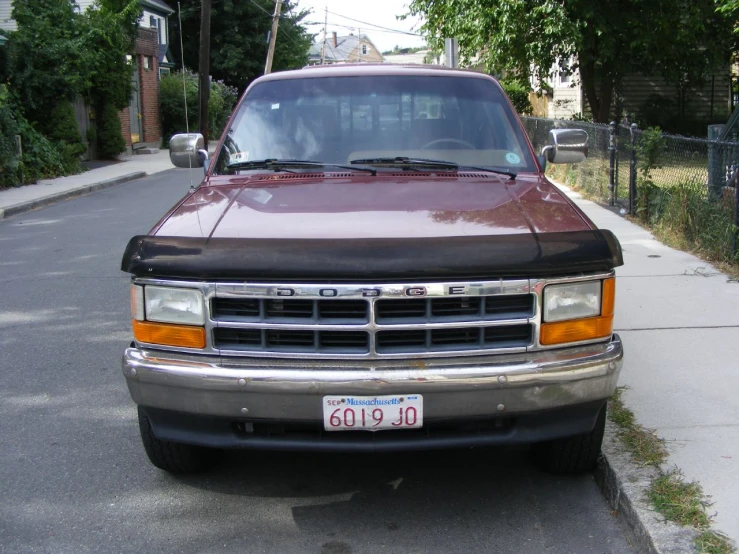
(486, 499)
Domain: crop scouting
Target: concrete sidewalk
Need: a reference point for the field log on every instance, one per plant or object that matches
(678, 317)
(47, 191)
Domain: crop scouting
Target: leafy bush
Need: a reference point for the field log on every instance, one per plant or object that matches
(519, 95)
(110, 139)
(172, 105)
(41, 157)
(8, 130)
(61, 128)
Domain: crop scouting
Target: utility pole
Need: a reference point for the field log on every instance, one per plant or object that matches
(323, 48)
(204, 68)
(273, 37)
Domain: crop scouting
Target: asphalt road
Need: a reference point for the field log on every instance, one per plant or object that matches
(74, 477)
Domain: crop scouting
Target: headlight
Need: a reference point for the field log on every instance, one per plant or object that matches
(174, 305)
(576, 312)
(572, 301)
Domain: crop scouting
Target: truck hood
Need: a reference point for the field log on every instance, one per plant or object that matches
(350, 206)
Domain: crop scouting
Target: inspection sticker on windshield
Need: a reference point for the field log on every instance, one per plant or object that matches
(239, 157)
(372, 413)
(512, 158)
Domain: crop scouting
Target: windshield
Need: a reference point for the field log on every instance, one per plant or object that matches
(337, 120)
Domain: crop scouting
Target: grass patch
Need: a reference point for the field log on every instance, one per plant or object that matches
(677, 500)
(710, 542)
(643, 444)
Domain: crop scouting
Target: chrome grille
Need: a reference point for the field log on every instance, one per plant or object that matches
(288, 309)
(467, 308)
(343, 322)
(291, 340)
(454, 339)
(372, 321)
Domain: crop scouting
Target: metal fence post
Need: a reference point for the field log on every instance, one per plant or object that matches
(716, 167)
(612, 167)
(632, 171)
(736, 216)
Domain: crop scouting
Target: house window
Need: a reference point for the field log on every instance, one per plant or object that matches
(154, 24)
(364, 49)
(147, 63)
(163, 71)
(564, 78)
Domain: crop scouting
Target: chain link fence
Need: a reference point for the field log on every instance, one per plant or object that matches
(648, 175)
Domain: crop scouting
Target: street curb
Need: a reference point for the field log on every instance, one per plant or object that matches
(57, 197)
(624, 485)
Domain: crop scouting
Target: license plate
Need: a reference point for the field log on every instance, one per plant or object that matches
(372, 413)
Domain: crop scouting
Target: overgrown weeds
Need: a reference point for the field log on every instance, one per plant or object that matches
(677, 500)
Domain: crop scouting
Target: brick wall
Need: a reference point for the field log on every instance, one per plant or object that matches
(147, 46)
(146, 52)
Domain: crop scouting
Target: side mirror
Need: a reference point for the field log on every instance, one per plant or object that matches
(566, 146)
(188, 150)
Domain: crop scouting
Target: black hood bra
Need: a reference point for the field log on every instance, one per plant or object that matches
(368, 260)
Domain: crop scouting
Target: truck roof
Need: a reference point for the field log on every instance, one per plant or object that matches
(363, 69)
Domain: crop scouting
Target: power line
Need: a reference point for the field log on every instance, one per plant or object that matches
(280, 29)
(333, 24)
(374, 25)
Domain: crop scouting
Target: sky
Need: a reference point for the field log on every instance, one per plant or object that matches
(363, 15)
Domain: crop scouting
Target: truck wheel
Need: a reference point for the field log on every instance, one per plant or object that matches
(571, 455)
(174, 457)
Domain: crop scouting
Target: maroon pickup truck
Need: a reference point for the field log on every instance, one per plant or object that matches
(374, 261)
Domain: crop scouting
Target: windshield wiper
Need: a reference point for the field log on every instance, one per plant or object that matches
(276, 164)
(405, 161)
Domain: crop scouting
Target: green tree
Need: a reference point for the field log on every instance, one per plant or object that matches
(682, 40)
(46, 56)
(108, 33)
(239, 38)
(57, 55)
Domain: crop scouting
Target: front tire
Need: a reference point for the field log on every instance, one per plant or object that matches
(572, 455)
(174, 457)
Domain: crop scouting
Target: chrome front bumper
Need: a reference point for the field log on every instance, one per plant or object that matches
(243, 389)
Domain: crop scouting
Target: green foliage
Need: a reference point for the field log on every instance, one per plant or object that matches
(683, 215)
(172, 105)
(109, 32)
(682, 40)
(110, 140)
(41, 158)
(57, 55)
(8, 130)
(61, 128)
(519, 95)
(648, 151)
(239, 38)
(46, 55)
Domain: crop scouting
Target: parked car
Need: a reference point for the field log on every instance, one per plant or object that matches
(374, 261)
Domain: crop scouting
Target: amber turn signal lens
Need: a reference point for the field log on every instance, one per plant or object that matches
(579, 329)
(609, 297)
(185, 336)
